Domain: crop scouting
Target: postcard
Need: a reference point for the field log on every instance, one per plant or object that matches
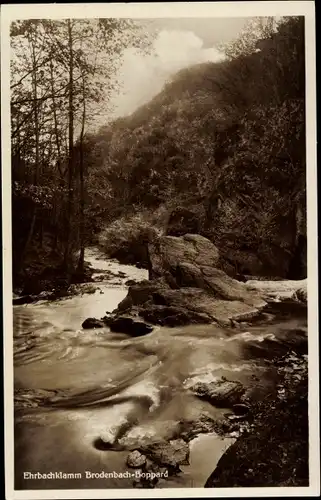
(159, 191)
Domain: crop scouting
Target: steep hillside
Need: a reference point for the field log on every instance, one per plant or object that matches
(220, 152)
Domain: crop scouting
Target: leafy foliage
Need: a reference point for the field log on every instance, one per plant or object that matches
(229, 137)
(224, 141)
(62, 75)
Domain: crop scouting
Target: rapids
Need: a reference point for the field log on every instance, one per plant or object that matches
(148, 378)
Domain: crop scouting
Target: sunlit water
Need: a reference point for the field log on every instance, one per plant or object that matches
(54, 356)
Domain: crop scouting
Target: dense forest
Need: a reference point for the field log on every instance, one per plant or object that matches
(61, 73)
(219, 152)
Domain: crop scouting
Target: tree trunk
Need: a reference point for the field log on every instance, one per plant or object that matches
(82, 186)
(36, 164)
(28, 240)
(35, 106)
(69, 212)
(56, 128)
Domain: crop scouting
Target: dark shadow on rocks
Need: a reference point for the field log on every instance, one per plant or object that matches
(276, 450)
(129, 326)
(93, 323)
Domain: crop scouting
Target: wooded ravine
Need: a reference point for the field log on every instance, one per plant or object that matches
(159, 261)
(219, 152)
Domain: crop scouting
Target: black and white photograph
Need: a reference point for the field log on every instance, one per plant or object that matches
(159, 247)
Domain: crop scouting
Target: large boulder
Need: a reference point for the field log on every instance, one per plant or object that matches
(201, 302)
(161, 305)
(140, 293)
(187, 286)
(216, 282)
(193, 261)
(167, 252)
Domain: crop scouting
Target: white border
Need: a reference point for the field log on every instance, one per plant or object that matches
(165, 10)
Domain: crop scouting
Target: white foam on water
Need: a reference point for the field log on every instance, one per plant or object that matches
(206, 377)
(104, 423)
(145, 388)
(252, 337)
(98, 260)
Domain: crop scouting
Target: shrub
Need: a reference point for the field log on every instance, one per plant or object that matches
(126, 239)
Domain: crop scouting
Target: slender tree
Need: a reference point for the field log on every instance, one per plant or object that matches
(80, 268)
(63, 73)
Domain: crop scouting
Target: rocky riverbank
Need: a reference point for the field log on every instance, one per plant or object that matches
(270, 438)
(274, 450)
(188, 284)
(54, 287)
(187, 287)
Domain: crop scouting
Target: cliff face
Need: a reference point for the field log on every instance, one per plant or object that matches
(221, 151)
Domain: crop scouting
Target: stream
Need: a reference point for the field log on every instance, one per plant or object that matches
(54, 356)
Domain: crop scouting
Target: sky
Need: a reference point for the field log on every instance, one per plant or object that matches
(179, 43)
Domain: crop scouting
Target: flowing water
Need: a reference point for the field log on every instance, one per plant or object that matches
(97, 381)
